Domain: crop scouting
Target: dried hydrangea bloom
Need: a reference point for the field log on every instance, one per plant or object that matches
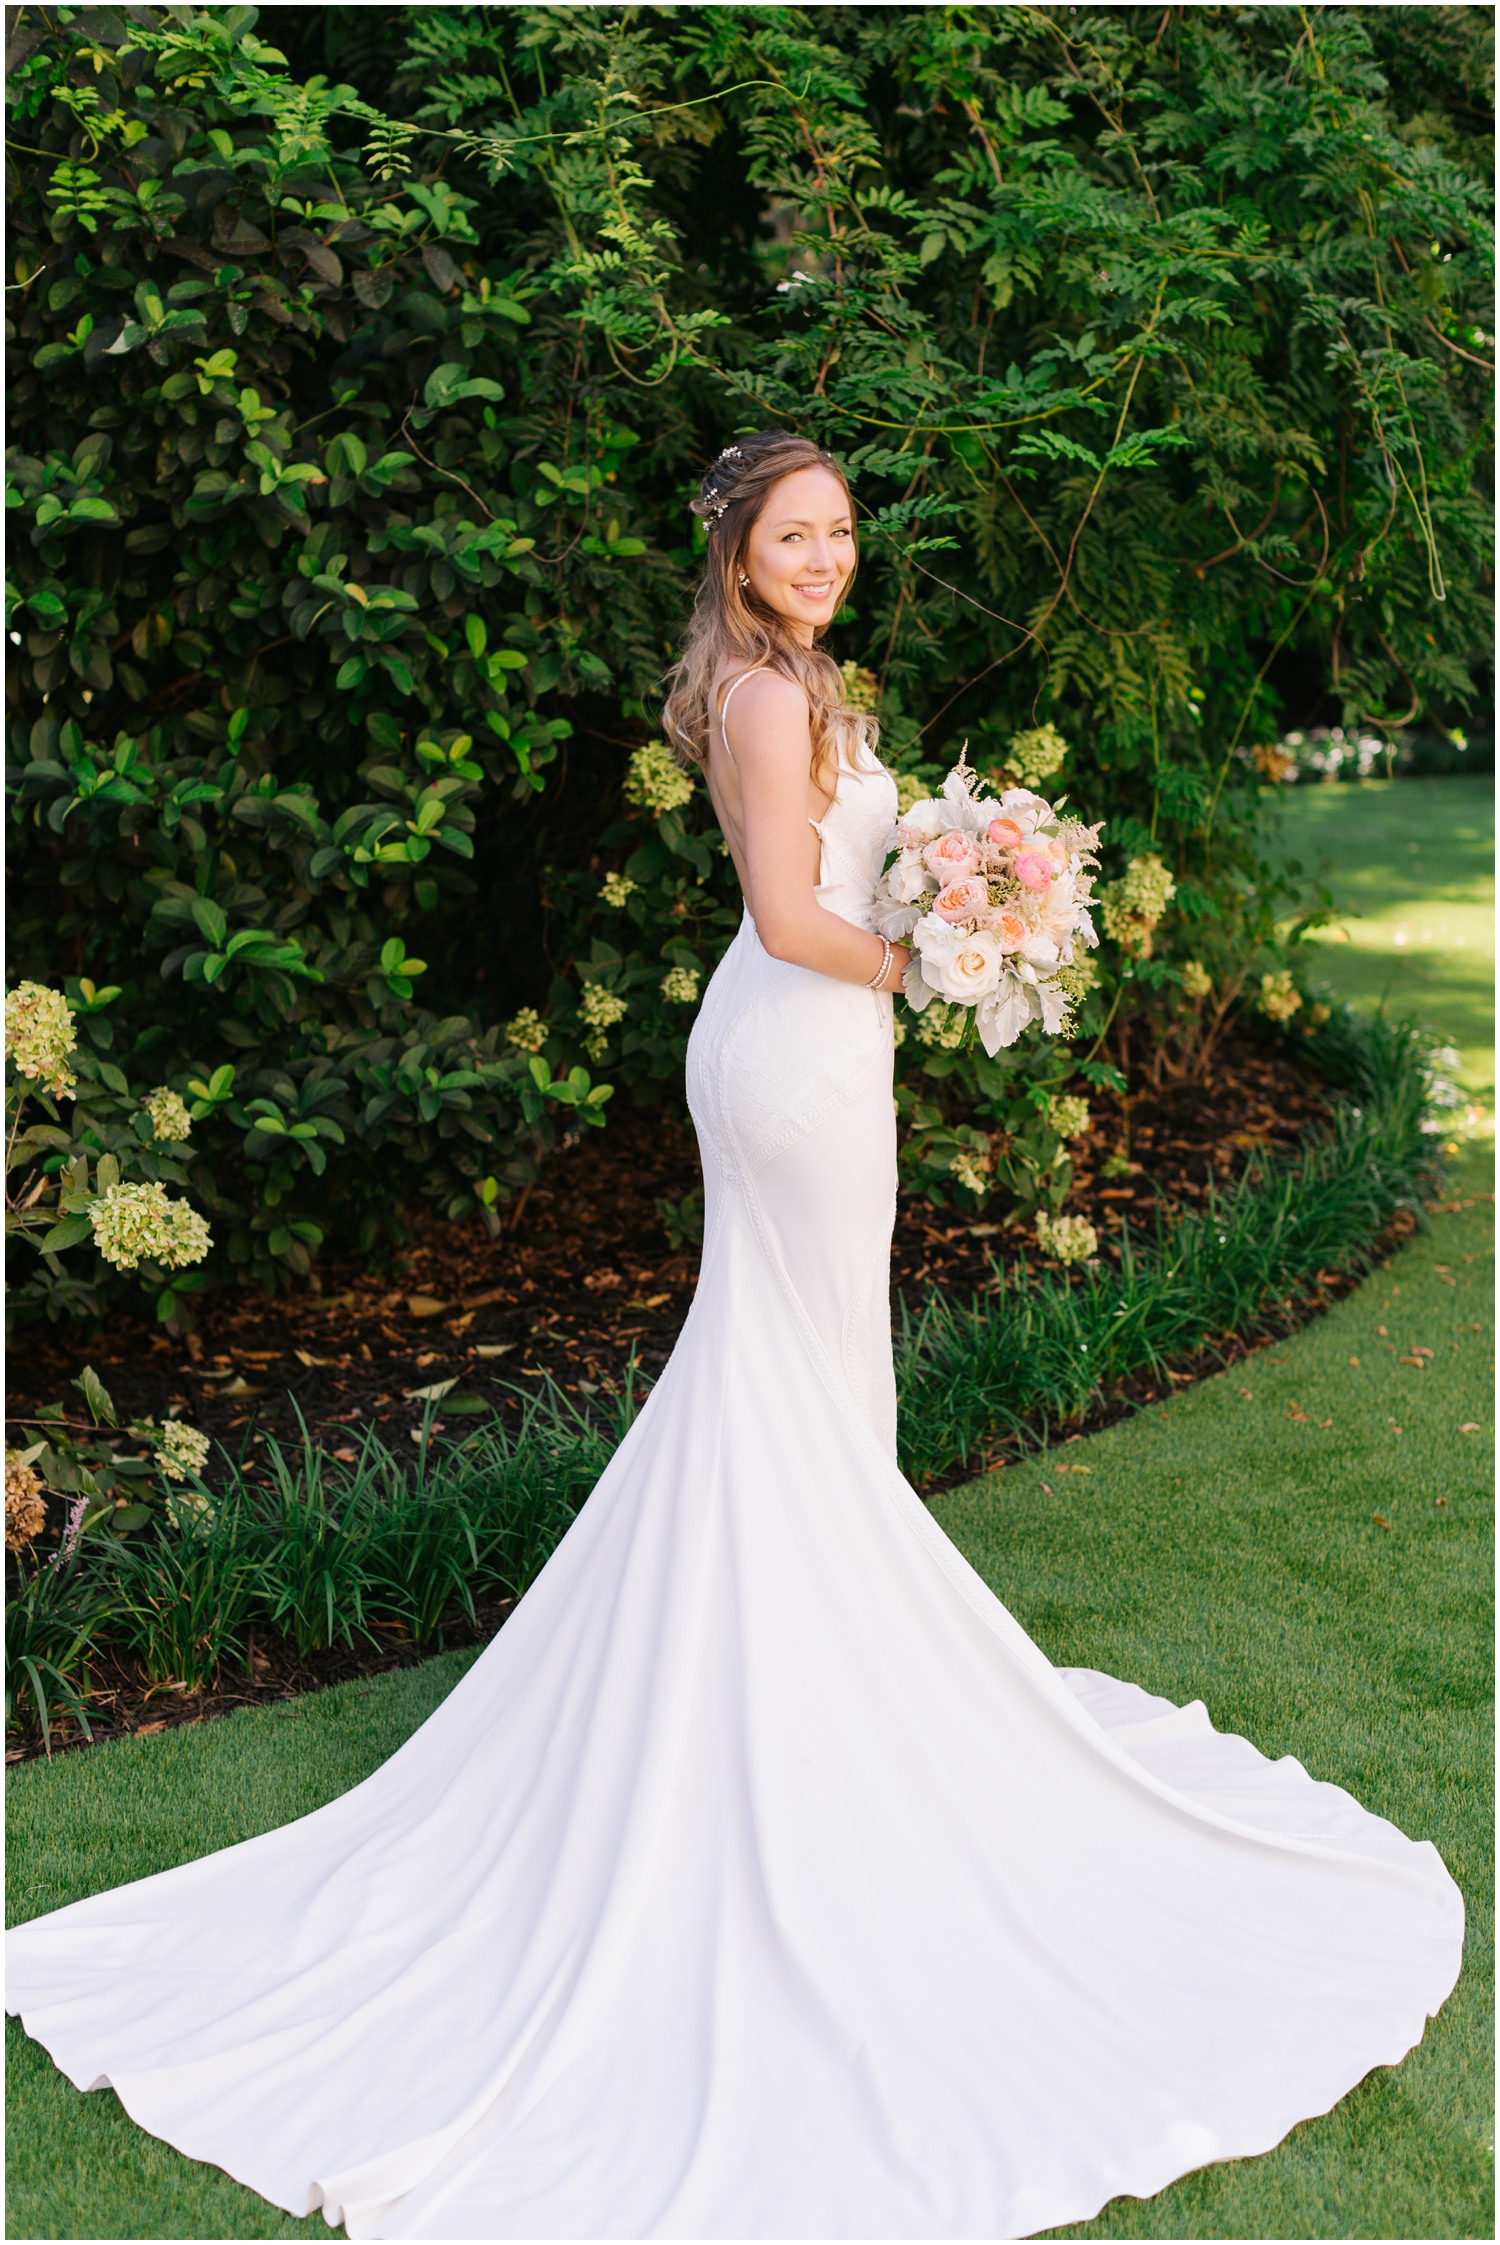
(25, 1503)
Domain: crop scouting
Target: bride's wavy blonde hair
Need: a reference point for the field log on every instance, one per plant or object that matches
(728, 621)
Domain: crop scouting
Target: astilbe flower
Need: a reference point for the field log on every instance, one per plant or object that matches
(1035, 755)
(617, 887)
(1196, 979)
(679, 986)
(1134, 904)
(656, 781)
(1072, 1239)
(168, 1112)
(1278, 999)
(25, 1505)
(133, 1222)
(39, 1033)
(526, 1031)
(1068, 1116)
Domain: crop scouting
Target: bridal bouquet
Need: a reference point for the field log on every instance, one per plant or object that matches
(993, 896)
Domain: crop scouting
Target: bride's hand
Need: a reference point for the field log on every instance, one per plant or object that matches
(901, 958)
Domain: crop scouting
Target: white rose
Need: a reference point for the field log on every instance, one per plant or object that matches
(970, 967)
(1004, 1014)
(1040, 949)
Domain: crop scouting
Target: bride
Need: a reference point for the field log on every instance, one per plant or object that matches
(763, 1879)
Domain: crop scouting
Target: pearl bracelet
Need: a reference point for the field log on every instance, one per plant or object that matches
(877, 979)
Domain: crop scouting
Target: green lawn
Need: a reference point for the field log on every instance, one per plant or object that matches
(1411, 867)
(1223, 1545)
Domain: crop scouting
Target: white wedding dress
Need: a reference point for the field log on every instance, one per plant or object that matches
(763, 1879)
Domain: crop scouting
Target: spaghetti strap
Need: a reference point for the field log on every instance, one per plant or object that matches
(724, 705)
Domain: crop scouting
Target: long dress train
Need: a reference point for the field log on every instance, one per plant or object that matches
(763, 1879)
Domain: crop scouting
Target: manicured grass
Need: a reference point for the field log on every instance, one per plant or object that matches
(1411, 866)
(1219, 1547)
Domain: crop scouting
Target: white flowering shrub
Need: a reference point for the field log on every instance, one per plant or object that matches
(169, 1116)
(1132, 907)
(656, 781)
(616, 888)
(39, 1034)
(1035, 755)
(526, 1030)
(1278, 998)
(1072, 1239)
(679, 986)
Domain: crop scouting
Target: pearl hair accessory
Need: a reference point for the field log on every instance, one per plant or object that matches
(716, 505)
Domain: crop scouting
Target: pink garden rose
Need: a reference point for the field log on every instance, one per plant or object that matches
(1005, 833)
(962, 900)
(1033, 869)
(952, 857)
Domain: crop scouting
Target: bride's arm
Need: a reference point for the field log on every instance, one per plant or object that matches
(773, 750)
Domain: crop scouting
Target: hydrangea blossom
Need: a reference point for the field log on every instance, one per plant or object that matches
(679, 986)
(1134, 904)
(39, 1033)
(133, 1222)
(942, 1026)
(965, 1170)
(1196, 979)
(526, 1031)
(181, 1450)
(1035, 755)
(1072, 1239)
(656, 781)
(1068, 1116)
(1278, 998)
(600, 1008)
(168, 1112)
(860, 685)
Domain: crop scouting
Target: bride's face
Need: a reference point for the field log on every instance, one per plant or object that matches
(801, 549)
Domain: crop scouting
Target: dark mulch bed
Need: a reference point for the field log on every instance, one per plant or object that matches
(584, 1276)
(586, 1271)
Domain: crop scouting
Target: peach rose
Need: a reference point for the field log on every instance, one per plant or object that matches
(962, 900)
(1010, 928)
(1006, 834)
(952, 857)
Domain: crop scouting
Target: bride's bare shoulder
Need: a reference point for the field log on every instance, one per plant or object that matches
(767, 705)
